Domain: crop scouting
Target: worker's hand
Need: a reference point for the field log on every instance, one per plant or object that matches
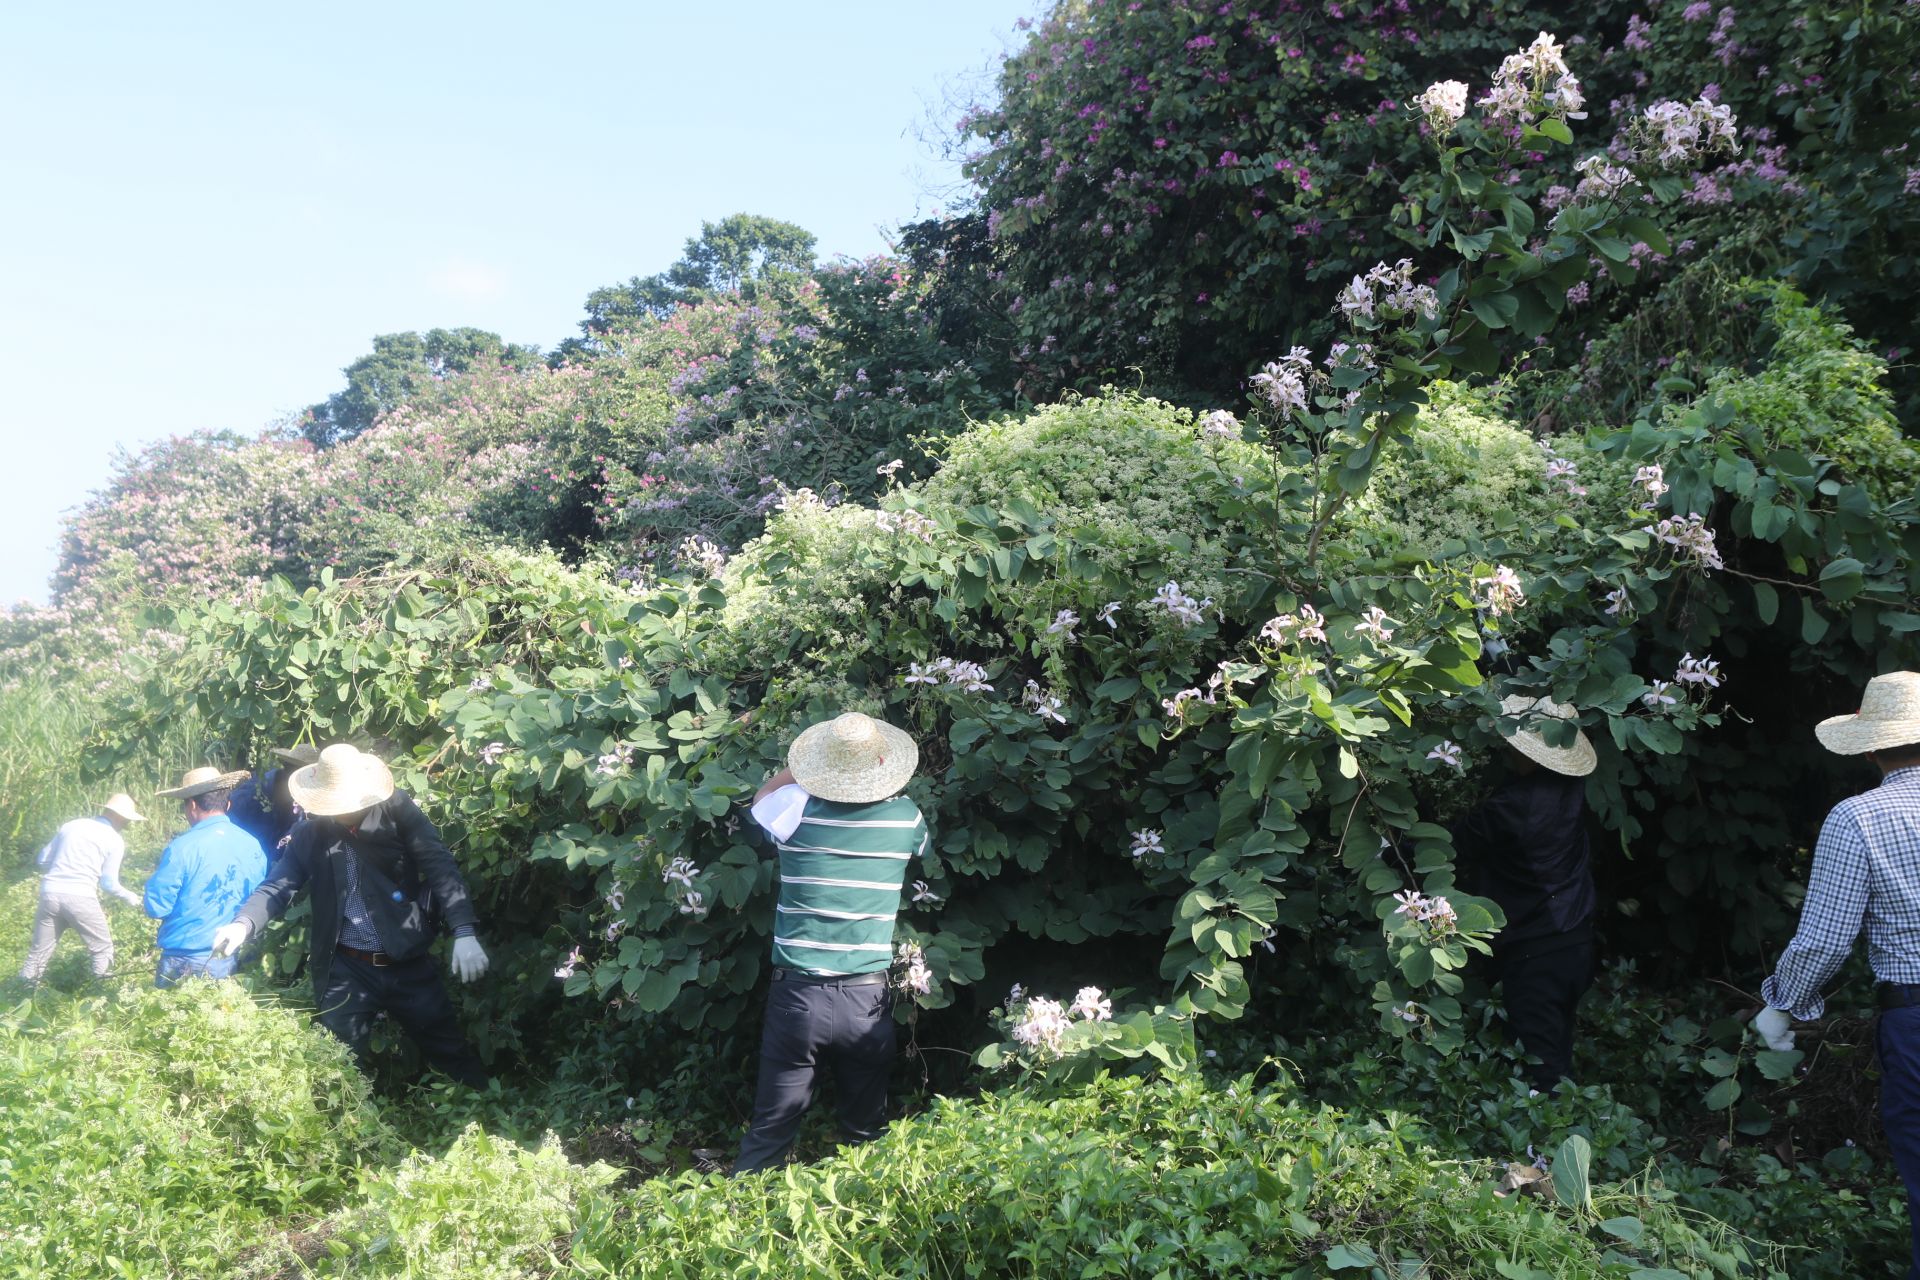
(469, 958)
(1775, 1027)
(129, 897)
(228, 938)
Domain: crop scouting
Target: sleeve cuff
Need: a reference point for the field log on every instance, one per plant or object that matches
(1805, 1011)
(464, 931)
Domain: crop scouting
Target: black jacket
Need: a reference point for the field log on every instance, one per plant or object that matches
(1525, 846)
(403, 863)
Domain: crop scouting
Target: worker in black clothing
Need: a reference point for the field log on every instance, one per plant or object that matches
(382, 878)
(1525, 847)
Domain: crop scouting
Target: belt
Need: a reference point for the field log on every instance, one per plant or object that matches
(378, 959)
(875, 979)
(1897, 995)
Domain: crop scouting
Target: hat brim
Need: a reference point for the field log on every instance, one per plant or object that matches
(1855, 736)
(894, 764)
(225, 782)
(1576, 761)
(371, 783)
(297, 755)
(130, 813)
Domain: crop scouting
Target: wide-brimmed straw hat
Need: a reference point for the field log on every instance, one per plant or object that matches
(853, 759)
(122, 803)
(1889, 716)
(197, 782)
(303, 754)
(343, 780)
(1576, 761)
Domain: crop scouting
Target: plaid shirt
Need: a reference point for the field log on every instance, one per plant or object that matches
(1866, 870)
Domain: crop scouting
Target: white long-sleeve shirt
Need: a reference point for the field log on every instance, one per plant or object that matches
(84, 857)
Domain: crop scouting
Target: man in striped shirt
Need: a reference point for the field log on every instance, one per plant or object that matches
(844, 836)
(1866, 874)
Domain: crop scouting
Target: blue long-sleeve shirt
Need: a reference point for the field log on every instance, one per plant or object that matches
(204, 875)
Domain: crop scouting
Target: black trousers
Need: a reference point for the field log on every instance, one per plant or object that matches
(846, 1028)
(412, 994)
(1545, 978)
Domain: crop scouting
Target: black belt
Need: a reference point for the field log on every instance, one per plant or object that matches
(1898, 995)
(378, 959)
(875, 979)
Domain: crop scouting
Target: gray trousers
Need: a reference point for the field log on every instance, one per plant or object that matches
(846, 1028)
(59, 912)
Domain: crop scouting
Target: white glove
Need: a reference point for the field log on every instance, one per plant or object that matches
(129, 897)
(1775, 1027)
(469, 958)
(228, 938)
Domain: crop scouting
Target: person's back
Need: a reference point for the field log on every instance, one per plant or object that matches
(82, 859)
(841, 873)
(80, 854)
(204, 876)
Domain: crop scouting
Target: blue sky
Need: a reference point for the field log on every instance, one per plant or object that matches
(210, 208)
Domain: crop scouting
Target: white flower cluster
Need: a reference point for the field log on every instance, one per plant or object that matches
(568, 965)
(1600, 179)
(1220, 425)
(1436, 913)
(1176, 706)
(1373, 624)
(1691, 535)
(1043, 1023)
(1351, 355)
(914, 977)
(1653, 479)
(1563, 470)
(1536, 81)
(1283, 383)
(911, 523)
(1180, 606)
(1044, 703)
(611, 763)
(1146, 843)
(1305, 626)
(968, 677)
(1388, 293)
(1443, 103)
(1677, 135)
(679, 872)
(801, 499)
(703, 555)
(1694, 670)
(1448, 752)
(1500, 593)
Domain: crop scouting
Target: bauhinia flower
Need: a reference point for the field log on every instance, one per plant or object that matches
(1282, 383)
(612, 762)
(923, 893)
(480, 684)
(679, 872)
(1536, 80)
(1180, 606)
(1442, 103)
(1406, 1012)
(1388, 293)
(1092, 1004)
(568, 965)
(1500, 592)
(1678, 135)
(694, 904)
(1600, 179)
(1690, 534)
(1220, 425)
(1656, 697)
(1374, 624)
(1146, 843)
(968, 677)
(1617, 602)
(1448, 752)
(888, 469)
(1652, 478)
(703, 554)
(1042, 1025)
(1435, 912)
(1105, 614)
(1063, 623)
(911, 523)
(1044, 703)
(1176, 706)
(491, 753)
(1694, 670)
(1307, 625)
(915, 977)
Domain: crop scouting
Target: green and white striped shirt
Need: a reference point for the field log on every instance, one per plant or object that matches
(841, 872)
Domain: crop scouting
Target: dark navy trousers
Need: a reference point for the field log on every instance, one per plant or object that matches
(1899, 1044)
(847, 1028)
(411, 993)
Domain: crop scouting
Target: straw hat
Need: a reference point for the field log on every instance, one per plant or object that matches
(1889, 716)
(122, 803)
(197, 782)
(303, 754)
(1576, 761)
(853, 759)
(343, 780)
